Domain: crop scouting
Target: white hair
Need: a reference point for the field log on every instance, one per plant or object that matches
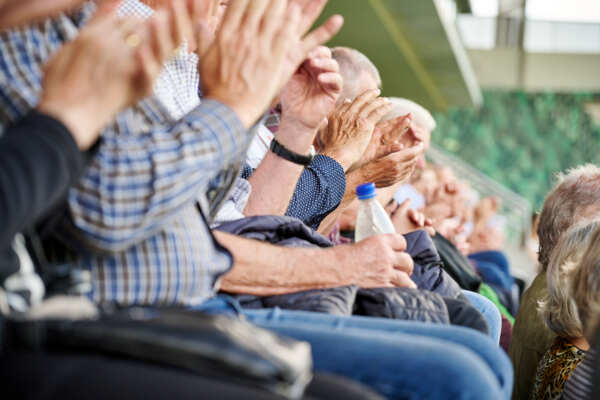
(420, 114)
(576, 195)
(353, 64)
(558, 308)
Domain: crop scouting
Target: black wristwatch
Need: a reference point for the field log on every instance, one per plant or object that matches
(289, 155)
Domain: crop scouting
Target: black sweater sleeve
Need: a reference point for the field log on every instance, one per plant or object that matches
(39, 161)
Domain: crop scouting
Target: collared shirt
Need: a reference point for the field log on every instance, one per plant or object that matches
(134, 218)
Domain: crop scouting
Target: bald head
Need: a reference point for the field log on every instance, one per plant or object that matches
(358, 72)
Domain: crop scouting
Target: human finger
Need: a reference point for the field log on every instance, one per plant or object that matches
(396, 241)
(233, 18)
(182, 28)
(320, 52)
(404, 262)
(254, 15)
(323, 33)
(404, 206)
(162, 40)
(324, 64)
(333, 81)
(360, 101)
(376, 112)
(274, 14)
(309, 11)
(401, 279)
(391, 207)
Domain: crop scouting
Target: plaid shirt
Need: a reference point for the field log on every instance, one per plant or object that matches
(134, 217)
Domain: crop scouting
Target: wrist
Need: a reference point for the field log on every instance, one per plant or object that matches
(344, 158)
(82, 128)
(247, 114)
(295, 135)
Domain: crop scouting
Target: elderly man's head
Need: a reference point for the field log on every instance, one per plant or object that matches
(358, 72)
(575, 198)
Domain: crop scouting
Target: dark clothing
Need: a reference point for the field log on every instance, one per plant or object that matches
(76, 376)
(39, 161)
(318, 193)
(457, 265)
(397, 303)
(428, 273)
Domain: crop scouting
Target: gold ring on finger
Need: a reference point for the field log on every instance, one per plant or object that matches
(133, 40)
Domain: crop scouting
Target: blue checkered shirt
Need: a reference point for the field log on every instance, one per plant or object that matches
(134, 219)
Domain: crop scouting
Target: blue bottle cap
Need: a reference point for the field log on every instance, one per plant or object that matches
(366, 191)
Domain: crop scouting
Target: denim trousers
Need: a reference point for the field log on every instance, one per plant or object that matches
(489, 311)
(399, 359)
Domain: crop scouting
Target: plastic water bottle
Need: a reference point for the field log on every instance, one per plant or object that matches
(372, 218)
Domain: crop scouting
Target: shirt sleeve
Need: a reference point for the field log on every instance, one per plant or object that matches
(319, 191)
(138, 181)
(39, 160)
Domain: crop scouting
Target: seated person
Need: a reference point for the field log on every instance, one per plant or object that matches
(586, 292)
(559, 311)
(150, 244)
(573, 200)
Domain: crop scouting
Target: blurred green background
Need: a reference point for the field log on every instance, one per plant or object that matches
(522, 139)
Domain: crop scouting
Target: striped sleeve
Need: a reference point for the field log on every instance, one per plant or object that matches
(139, 180)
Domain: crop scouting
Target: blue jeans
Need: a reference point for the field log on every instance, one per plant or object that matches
(399, 359)
(489, 311)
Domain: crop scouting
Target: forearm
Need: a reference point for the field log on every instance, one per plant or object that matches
(275, 179)
(140, 180)
(265, 270)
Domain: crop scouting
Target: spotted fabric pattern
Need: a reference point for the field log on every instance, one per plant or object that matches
(554, 370)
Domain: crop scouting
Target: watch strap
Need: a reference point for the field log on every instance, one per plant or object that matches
(291, 156)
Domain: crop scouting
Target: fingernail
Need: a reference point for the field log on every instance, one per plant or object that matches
(378, 91)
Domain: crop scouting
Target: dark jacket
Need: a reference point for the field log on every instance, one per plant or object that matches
(398, 303)
(457, 265)
(428, 273)
(39, 161)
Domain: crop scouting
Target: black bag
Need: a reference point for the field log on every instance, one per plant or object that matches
(457, 265)
(232, 349)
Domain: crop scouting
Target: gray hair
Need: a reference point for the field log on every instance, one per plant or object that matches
(586, 286)
(576, 195)
(420, 114)
(353, 64)
(558, 308)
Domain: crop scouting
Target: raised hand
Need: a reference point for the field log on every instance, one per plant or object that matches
(387, 138)
(407, 220)
(310, 96)
(392, 169)
(257, 49)
(350, 127)
(109, 66)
